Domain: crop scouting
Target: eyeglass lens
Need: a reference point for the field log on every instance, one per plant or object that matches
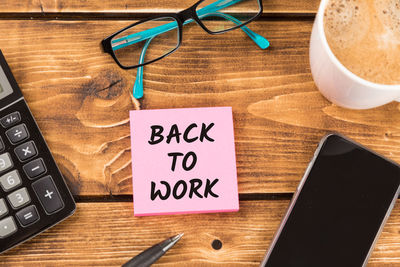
(146, 41)
(222, 15)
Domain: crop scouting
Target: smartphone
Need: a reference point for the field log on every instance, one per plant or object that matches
(338, 209)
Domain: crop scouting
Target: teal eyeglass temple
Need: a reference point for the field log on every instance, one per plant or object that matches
(148, 35)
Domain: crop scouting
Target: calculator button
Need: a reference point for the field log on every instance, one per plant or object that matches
(34, 168)
(28, 215)
(48, 195)
(26, 151)
(3, 208)
(7, 227)
(17, 134)
(19, 198)
(10, 119)
(5, 162)
(2, 147)
(10, 180)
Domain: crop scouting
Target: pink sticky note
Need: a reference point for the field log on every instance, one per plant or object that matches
(183, 161)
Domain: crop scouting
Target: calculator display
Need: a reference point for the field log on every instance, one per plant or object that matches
(5, 86)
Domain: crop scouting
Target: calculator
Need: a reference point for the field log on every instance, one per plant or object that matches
(33, 193)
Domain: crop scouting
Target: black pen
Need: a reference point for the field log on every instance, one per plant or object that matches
(151, 255)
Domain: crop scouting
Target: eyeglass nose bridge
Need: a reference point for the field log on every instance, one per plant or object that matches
(189, 13)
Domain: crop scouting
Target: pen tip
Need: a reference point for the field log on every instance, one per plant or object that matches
(177, 237)
(170, 242)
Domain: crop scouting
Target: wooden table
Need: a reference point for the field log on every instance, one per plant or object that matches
(81, 100)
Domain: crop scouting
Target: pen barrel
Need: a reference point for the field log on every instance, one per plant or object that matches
(146, 258)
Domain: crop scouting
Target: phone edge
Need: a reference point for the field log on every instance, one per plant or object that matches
(300, 186)
(294, 198)
(378, 233)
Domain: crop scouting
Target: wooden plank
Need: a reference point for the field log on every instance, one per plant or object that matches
(81, 100)
(138, 6)
(107, 234)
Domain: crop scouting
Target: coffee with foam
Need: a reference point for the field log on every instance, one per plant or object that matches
(365, 37)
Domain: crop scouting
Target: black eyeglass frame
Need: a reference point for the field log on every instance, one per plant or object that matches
(180, 17)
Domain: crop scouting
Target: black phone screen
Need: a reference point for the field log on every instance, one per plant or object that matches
(339, 211)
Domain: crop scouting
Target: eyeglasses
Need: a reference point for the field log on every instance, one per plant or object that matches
(154, 38)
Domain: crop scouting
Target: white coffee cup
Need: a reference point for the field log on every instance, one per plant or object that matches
(336, 82)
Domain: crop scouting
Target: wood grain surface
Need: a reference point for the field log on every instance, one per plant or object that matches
(107, 234)
(121, 7)
(81, 100)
